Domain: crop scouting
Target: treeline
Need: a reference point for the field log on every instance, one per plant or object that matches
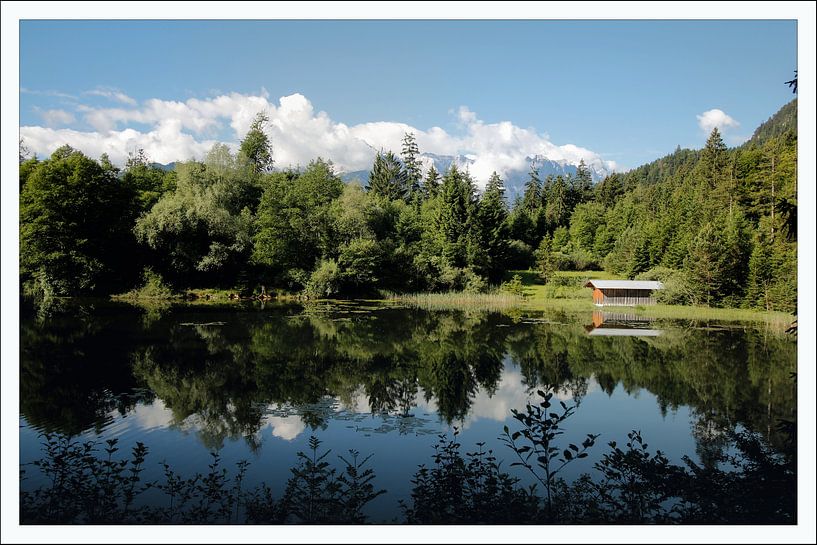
(718, 226)
(224, 376)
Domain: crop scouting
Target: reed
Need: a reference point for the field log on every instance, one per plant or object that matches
(459, 300)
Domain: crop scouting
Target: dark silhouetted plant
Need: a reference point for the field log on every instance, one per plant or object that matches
(540, 455)
(317, 494)
(635, 487)
(470, 489)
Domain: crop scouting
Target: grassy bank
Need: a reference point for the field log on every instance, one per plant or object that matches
(566, 292)
(495, 301)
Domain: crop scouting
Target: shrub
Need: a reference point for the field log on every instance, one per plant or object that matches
(325, 280)
(678, 290)
(153, 287)
(514, 286)
(520, 255)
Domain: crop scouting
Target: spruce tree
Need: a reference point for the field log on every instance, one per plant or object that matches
(412, 167)
(583, 183)
(387, 178)
(432, 183)
(493, 232)
(532, 198)
(455, 214)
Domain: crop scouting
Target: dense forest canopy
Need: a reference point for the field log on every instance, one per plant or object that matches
(716, 225)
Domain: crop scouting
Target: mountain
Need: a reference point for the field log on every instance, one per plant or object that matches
(168, 167)
(514, 179)
(784, 120)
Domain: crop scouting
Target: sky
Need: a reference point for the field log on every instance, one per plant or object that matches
(617, 94)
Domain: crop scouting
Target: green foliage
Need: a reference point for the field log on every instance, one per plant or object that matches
(677, 288)
(514, 286)
(153, 287)
(387, 178)
(468, 489)
(432, 183)
(545, 262)
(147, 181)
(540, 455)
(256, 147)
(412, 167)
(202, 230)
(325, 281)
(88, 488)
(75, 220)
(492, 236)
(723, 219)
(317, 494)
(295, 223)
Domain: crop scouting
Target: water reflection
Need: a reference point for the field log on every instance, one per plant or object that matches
(225, 374)
(614, 324)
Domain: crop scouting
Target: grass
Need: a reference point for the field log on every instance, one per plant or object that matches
(566, 292)
(153, 289)
(460, 300)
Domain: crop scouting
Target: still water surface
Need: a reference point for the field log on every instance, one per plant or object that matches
(255, 382)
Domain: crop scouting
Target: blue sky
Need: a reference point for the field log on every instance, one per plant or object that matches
(625, 91)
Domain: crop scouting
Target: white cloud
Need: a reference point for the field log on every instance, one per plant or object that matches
(716, 118)
(112, 94)
(48, 93)
(180, 130)
(54, 118)
(285, 427)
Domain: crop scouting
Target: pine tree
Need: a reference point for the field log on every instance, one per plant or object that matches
(411, 166)
(387, 178)
(493, 232)
(761, 276)
(455, 214)
(532, 198)
(583, 183)
(432, 183)
(557, 211)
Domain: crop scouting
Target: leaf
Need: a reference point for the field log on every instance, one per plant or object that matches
(582, 455)
(567, 454)
(574, 447)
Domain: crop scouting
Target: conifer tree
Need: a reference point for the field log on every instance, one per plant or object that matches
(455, 214)
(432, 183)
(532, 198)
(583, 183)
(491, 215)
(387, 178)
(411, 166)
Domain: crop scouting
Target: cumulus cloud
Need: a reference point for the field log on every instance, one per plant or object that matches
(177, 130)
(285, 427)
(713, 118)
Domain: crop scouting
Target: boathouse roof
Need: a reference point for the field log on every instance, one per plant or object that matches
(624, 284)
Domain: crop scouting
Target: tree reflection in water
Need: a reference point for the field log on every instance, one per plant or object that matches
(231, 370)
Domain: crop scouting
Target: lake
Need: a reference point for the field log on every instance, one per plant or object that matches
(255, 381)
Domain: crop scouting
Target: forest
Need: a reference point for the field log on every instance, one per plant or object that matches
(716, 225)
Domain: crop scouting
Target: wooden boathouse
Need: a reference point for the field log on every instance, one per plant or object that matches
(626, 293)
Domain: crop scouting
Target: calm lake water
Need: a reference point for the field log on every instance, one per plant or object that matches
(255, 381)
